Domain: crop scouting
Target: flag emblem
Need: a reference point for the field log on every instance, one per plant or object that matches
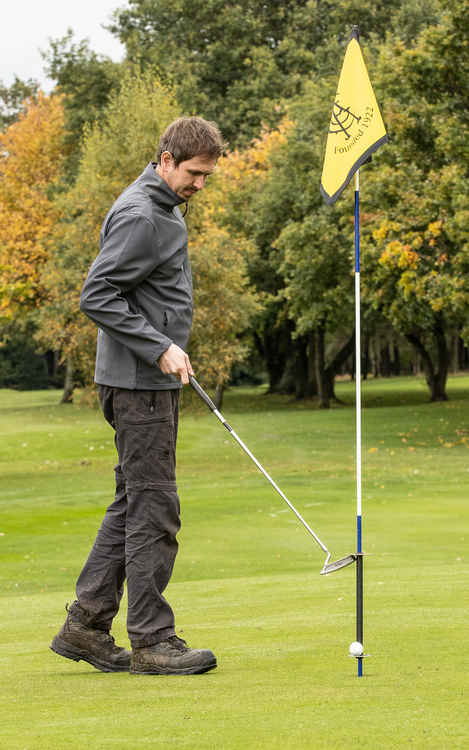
(356, 127)
(342, 120)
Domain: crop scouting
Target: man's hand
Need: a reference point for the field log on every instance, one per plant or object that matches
(174, 361)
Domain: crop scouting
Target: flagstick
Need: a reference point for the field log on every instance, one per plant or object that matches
(359, 599)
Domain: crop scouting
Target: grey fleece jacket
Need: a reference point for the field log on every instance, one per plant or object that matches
(139, 288)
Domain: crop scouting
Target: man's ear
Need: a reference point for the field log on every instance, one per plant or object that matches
(166, 160)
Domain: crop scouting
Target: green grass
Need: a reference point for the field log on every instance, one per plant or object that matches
(246, 582)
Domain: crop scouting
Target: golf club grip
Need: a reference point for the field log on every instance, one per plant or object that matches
(200, 391)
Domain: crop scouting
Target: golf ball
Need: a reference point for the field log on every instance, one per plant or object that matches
(355, 649)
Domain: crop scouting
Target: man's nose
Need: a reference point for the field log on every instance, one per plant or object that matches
(199, 182)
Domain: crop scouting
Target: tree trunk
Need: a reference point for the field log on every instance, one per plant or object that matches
(436, 377)
(385, 361)
(366, 356)
(218, 398)
(301, 367)
(374, 356)
(463, 361)
(323, 390)
(275, 348)
(396, 365)
(455, 353)
(69, 385)
(312, 376)
(334, 367)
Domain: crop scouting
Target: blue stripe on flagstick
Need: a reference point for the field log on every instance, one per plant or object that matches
(359, 534)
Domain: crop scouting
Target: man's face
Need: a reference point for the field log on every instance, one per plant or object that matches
(189, 176)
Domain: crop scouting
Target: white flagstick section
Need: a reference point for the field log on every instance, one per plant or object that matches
(358, 373)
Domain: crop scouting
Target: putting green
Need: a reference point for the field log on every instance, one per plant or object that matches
(247, 581)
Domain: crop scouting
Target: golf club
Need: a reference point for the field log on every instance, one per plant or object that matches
(328, 567)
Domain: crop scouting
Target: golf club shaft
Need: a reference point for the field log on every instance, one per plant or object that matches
(213, 408)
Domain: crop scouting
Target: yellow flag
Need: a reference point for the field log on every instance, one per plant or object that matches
(356, 129)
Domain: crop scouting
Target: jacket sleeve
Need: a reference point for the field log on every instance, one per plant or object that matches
(128, 255)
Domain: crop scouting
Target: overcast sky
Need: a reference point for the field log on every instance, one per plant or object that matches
(28, 24)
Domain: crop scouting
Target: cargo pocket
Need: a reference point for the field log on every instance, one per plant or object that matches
(146, 436)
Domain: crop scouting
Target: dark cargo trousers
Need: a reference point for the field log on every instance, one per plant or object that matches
(137, 538)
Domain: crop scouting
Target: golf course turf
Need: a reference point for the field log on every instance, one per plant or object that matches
(246, 582)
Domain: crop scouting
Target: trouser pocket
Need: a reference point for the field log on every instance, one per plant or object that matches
(146, 424)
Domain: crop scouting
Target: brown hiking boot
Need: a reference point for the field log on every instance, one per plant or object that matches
(76, 641)
(171, 656)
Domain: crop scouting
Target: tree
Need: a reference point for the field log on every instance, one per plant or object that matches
(244, 175)
(307, 247)
(13, 99)
(420, 281)
(30, 167)
(223, 59)
(239, 62)
(225, 302)
(86, 79)
(303, 259)
(21, 366)
(115, 150)
(418, 240)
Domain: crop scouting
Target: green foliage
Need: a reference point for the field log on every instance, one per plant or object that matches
(115, 151)
(12, 99)
(417, 241)
(20, 365)
(247, 63)
(87, 80)
(237, 63)
(414, 199)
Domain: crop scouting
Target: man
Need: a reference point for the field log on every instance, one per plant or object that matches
(139, 292)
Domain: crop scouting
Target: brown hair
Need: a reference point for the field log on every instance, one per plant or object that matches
(187, 137)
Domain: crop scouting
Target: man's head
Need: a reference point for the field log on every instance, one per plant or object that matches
(187, 154)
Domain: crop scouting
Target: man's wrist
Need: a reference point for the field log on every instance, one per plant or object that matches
(162, 351)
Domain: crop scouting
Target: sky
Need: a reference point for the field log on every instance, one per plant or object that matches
(28, 24)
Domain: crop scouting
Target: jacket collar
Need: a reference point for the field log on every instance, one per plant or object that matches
(159, 189)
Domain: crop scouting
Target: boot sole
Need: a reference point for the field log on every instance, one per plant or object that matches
(60, 647)
(200, 669)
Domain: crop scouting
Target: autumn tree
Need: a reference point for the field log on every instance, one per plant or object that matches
(227, 307)
(115, 150)
(31, 159)
(86, 80)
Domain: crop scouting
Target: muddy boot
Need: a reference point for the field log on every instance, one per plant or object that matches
(77, 641)
(171, 656)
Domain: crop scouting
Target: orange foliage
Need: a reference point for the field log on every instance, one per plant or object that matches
(224, 302)
(31, 159)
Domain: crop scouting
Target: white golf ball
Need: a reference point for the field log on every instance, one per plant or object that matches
(356, 649)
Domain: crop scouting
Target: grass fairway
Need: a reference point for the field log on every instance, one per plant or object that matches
(247, 581)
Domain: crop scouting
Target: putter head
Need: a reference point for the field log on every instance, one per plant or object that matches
(337, 564)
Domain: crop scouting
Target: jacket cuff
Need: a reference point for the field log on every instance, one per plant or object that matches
(159, 350)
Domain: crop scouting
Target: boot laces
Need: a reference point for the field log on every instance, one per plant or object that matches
(177, 643)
